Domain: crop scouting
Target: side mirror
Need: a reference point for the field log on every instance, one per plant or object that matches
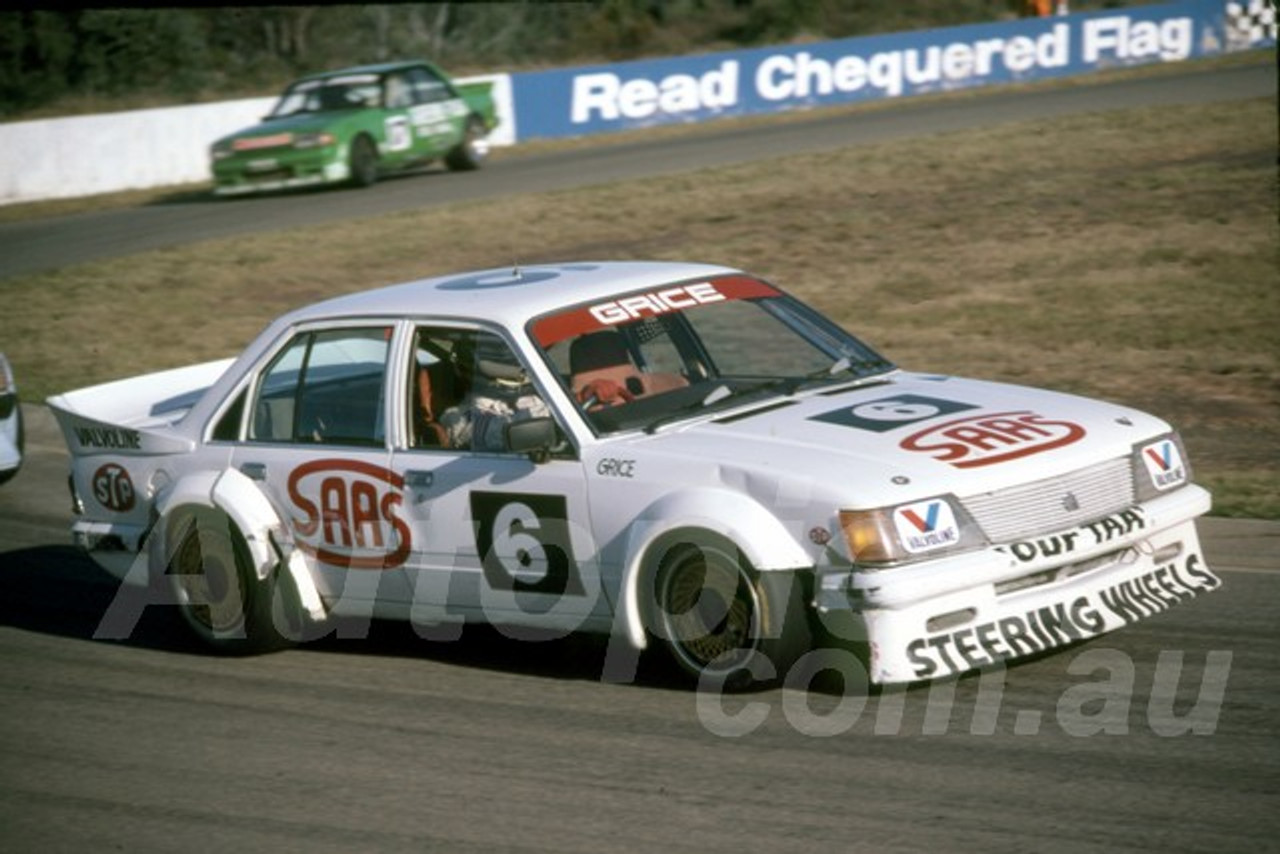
(533, 436)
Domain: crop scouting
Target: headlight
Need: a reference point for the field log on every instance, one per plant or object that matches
(313, 140)
(8, 389)
(1159, 466)
(889, 535)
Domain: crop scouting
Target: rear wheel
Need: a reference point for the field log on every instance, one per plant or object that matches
(218, 593)
(468, 154)
(724, 623)
(363, 162)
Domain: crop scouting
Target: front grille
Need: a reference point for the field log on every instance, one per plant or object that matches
(1054, 503)
(281, 174)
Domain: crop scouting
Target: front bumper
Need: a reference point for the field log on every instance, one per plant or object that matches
(10, 431)
(1011, 601)
(10, 456)
(240, 175)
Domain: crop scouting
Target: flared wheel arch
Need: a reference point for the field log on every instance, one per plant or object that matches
(781, 623)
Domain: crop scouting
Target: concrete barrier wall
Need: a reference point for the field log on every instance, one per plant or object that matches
(87, 155)
(139, 149)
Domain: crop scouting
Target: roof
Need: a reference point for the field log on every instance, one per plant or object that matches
(506, 295)
(376, 68)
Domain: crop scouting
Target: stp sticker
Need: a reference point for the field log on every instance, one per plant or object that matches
(1164, 464)
(113, 488)
(993, 437)
(350, 514)
(926, 525)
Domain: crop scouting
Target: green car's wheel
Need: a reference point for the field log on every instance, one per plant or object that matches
(471, 151)
(364, 162)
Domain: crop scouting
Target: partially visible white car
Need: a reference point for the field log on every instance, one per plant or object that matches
(665, 452)
(11, 437)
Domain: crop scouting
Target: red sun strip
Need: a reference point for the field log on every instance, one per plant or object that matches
(577, 321)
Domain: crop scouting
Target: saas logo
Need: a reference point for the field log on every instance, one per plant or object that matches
(350, 514)
(890, 413)
(1164, 464)
(993, 437)
(926, 525)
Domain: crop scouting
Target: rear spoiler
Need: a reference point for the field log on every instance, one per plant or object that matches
(132, 417)
(478, 93)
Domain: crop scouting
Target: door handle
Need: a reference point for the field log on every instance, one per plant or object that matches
(417, 479)
(254, 471)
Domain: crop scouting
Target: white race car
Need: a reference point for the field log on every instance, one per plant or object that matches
(659, 451)
(11, 438)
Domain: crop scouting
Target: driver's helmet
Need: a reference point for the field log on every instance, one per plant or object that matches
(497, 372)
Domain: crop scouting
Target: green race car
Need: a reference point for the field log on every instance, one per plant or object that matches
(347, 126)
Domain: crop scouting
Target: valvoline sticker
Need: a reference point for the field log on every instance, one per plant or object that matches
(926, 525)
(1164, 464)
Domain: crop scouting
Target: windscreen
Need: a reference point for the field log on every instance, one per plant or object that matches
(654, 357)
(350, 92)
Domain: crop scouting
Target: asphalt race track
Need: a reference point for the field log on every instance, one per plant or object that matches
(1160, 737)
(36, 245)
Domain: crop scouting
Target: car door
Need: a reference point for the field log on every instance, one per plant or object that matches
(438, 114)
(496, 535)
(400, 143)
(316, 441)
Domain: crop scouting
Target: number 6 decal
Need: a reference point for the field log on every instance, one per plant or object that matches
(523, 542)
(890, 413)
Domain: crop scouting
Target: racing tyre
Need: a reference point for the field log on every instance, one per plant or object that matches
(471, 152)
(725, 624)
(219, 595)
(363, 162)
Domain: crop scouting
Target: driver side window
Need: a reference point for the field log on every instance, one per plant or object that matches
(427, 87)
(465, 387)
(399, 94)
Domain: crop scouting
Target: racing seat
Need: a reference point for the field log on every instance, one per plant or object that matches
(603, 357)
(434, 392)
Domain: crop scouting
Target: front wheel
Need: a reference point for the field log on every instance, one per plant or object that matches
(363, 162)
(723, 622)
(219, 595)
(468, 154)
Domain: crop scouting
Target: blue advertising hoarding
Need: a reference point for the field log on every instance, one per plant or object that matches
(597, 99)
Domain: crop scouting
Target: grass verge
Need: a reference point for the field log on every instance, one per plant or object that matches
(1127, 255)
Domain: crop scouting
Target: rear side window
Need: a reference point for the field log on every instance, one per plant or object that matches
(326, 387)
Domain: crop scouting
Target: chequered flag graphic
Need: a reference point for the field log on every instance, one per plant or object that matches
(1252, 22)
